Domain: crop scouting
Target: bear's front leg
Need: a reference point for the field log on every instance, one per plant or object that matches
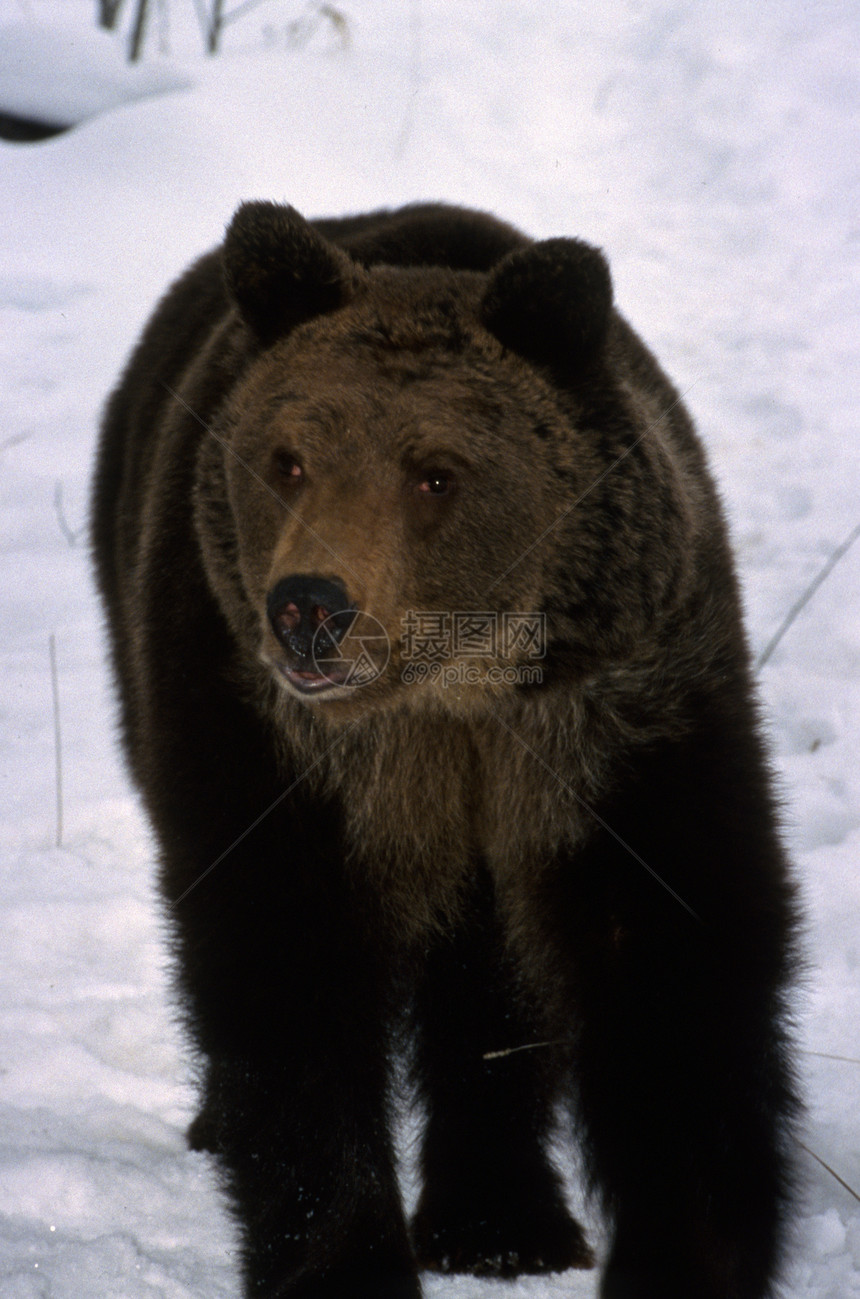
(311, 1178)
(286, 994)
(682, 1064)
(492, 1203)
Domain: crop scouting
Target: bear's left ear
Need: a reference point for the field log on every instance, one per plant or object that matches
(279, 271)
(551, 302)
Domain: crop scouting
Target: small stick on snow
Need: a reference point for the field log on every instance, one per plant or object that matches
(807, 595)
(67, 531)
(831, 1171)
(527, 1046)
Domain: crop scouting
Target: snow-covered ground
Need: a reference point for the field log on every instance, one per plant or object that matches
(713, 152)
(62, 74)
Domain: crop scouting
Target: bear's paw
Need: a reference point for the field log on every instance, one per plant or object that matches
(506, 1245)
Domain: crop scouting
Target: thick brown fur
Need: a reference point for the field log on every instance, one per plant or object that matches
(424, 412)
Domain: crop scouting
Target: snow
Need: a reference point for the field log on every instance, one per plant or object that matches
(64, 73)
(712, 151)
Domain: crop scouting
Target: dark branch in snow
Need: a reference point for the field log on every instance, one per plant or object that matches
(831, 1171)
(807, 595)
(68, 532)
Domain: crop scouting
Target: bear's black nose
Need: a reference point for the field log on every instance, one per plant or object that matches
(309, 615)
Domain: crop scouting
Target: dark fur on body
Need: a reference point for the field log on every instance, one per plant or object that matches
(591, 861)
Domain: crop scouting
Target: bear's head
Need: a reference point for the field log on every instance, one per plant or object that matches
(434, 480)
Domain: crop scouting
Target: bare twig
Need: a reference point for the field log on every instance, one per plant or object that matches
(68, 532)
(109, 13)
(831, 1171)
(535, 1046)
(807, 595)
(58, 744)
(138, 31)
(560, 1041)
(826, 1055)
(216, 22)
(15, 440)
(528, 1046)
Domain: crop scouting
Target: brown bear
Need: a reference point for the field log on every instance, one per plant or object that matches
(434, 682)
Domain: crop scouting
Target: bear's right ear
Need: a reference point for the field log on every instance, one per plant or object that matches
(551, 302)
(279, 271)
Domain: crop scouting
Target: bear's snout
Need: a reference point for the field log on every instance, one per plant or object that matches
(309, 615)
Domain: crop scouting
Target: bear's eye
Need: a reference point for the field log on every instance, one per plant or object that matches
(288, 468)
(438, 482)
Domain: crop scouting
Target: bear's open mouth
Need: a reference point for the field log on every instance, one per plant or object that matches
(309, 680)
